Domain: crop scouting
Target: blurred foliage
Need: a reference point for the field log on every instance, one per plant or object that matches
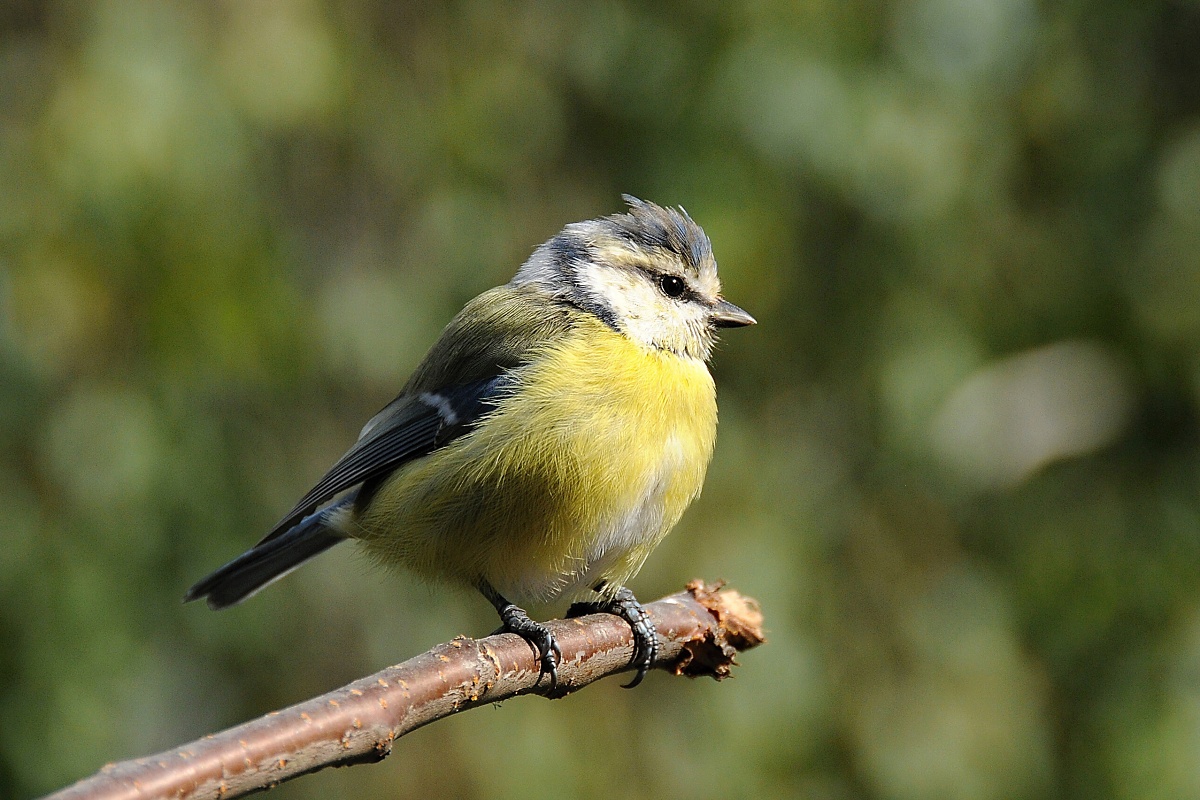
(959, 460)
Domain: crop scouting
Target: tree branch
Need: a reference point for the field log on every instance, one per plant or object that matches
(700, 630)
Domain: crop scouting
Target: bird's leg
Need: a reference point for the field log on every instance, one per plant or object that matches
(626, 606)
(515, 620)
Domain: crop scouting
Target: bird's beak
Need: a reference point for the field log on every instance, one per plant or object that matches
(726, 315)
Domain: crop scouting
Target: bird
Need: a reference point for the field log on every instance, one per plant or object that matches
(551, 437)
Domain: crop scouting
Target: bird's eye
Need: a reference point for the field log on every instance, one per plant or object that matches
(672, 285)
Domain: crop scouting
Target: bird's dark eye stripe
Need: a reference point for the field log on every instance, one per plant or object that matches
(672, 285)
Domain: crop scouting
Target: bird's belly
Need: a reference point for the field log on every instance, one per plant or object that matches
(610, 546)
(571, 481)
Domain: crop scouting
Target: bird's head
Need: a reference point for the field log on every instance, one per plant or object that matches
(648, 273)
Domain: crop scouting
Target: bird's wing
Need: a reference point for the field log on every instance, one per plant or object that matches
(407, 428)
(463, 375)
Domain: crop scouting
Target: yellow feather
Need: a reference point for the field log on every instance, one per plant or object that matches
(571, 480)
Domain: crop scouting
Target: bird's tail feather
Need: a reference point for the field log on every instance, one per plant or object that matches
(266, 562)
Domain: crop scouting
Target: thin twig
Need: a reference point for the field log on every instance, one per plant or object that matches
(699, 630)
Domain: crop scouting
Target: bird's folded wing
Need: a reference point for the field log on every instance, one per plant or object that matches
(468, 368)
(407, 428)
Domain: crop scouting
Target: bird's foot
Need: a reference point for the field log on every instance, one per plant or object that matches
(539, 637)
(645, 639)
(515, 620)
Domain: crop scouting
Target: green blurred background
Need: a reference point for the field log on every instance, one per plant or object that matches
(958, 462)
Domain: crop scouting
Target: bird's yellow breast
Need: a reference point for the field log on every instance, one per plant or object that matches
(571, 480)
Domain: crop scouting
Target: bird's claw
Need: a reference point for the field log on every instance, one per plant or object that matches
(539, 637)
(645, 638)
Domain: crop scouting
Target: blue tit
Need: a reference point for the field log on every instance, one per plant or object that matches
(549, 440)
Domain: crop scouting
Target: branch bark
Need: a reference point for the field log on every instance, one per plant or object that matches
(700, 630)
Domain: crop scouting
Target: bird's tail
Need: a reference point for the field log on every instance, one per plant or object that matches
(267, 562)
